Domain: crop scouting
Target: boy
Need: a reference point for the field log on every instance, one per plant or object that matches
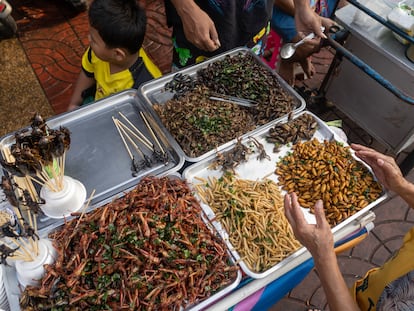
(115, 60)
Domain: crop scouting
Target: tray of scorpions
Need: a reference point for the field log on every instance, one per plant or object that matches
(114, 143)
(241, 188)
(207, 106)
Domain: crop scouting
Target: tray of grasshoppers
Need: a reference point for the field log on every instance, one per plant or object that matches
(150, 249)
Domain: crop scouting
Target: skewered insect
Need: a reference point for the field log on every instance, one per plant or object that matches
(5, 252)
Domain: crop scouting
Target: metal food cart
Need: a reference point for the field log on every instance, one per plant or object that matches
(252, 293)
(374, 83)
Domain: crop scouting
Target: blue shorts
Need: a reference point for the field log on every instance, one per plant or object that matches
(284, 24)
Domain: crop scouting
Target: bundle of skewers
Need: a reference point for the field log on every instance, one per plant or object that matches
(133, 138)
(39, 154)
(36, 157)
(18, 234)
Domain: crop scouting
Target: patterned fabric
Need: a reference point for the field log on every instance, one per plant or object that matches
(399, 295)
(238, 23)
(284, 24)
(368, 290)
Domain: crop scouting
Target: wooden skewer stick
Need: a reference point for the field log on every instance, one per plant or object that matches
(134, 127)
(157, 128)
(135, 135)
(84, 209)
(123, 139)
(18, 180)
(19, 255)
(151, 131)
(20, 243)
(62, 165)
(131, 141)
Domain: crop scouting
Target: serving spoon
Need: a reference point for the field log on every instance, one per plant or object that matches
(289, 49)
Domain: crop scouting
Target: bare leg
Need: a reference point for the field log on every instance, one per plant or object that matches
(307, 66)
(286, 71)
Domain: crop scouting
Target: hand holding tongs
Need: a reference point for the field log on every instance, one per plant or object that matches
(234, 100)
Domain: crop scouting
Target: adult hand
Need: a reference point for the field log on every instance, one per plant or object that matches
(198, 27)
(327, 22)
(384, 167)
(307, 20)
(318, 239)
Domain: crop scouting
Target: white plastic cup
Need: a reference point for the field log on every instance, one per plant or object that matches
(62, 203)
(30, 272)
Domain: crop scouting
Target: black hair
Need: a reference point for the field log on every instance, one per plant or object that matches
(120, 23)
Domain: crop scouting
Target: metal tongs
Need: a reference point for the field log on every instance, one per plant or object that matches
(234, 100)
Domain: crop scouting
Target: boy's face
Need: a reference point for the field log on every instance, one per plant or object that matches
(98, 46)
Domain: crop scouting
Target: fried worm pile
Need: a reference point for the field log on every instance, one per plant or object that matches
(251, 212)
(149, 250)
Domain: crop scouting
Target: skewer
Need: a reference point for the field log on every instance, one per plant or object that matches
(84, 209)
(20, 243)
(151, 131)
(9, 158)
(135, 135)
(134, 127)
(123, 139)
(157, 128)
(131, 141)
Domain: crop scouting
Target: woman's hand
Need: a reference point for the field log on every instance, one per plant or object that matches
(318, 239)
(385, 168)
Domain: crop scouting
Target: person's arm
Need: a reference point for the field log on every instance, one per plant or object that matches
(387, 171)
(198, 27)
(306, 19)
(84, 82)
(318, 239)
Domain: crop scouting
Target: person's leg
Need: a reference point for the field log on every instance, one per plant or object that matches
(284, 25)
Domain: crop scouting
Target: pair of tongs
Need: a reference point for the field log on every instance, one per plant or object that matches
(234, 100)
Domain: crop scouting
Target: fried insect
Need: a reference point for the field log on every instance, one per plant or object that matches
(327, 171)
(6, 252)
(7, 186)
(36, 148)
(149, 250)
(229, 160)
(262, 152)
(200, 124)
(252, 214)
(303, 127)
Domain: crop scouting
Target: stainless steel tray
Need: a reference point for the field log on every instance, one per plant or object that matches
(13, 290)
(153, 93)
(97, 156)
(256, 169)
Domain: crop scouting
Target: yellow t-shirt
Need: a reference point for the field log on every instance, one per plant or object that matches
(368, 290)
(106, 83)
